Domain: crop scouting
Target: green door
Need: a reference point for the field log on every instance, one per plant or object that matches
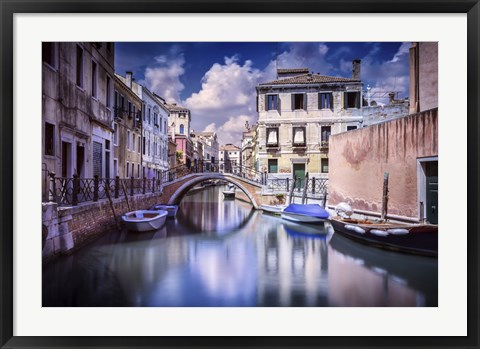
(299, 173)
(432, 191)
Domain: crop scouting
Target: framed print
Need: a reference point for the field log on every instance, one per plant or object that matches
(246, 174)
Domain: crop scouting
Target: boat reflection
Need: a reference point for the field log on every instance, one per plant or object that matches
(362, 275)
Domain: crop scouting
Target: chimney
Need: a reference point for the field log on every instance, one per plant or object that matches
(129, 79)
(356, 69)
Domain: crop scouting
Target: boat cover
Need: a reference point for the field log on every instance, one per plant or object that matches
(312, 210)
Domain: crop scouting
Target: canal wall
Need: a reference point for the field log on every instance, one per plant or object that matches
(359, 158)
(66, 229)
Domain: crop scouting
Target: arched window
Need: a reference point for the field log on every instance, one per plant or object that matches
(182, 129)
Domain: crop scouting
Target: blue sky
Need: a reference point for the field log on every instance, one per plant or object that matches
(217, 80)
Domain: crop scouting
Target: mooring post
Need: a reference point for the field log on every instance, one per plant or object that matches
(75, 190)
(95, 188)
(385, 196)
(117, 186)
(52, 190)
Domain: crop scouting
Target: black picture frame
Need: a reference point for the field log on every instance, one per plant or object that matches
(9, 7)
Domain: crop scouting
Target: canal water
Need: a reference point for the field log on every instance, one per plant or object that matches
(220, 253)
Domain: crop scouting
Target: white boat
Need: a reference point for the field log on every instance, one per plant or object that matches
(171, 209)
(273, 209)
(144, 220)
(311, 213)
(229, 193)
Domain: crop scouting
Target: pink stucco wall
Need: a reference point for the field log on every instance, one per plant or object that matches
(359, 158)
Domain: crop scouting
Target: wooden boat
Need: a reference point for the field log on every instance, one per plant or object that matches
(419, 239)
(171, 209)
(144, 220)
(308, 213)
(273, 209)
(229, 193)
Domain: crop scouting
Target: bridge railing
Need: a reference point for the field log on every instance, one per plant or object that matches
(316, 187)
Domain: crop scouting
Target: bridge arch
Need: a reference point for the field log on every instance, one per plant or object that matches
(178, 195)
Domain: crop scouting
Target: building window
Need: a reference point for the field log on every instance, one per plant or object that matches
(299, 101)
(138, 170)
(272, 102)
(48, 53)
(148, 147)
(108, 98)
(139, 151)
(94, 79)
(182, 129)
(349, 128)
(79, 66)
(128, 167)
(115, 167)
(129, 110)
(272, 165)
(324, 165)
(149, 115)
(144, 142)
(351, 100)
(272, 137)
(128, 139)
(143, 112)
(49, 139)
(133, 168)
(325, 100)
(133, 141)
(115, 134)
(299, 136)
(326, 130)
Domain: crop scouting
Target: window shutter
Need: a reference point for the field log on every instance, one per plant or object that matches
(279, 108)
(345, 100)
(305, 101)
(330, 97)
(357, 100)
(265, 102)
(293, 101)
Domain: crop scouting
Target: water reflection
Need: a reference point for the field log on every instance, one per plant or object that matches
(221, 253)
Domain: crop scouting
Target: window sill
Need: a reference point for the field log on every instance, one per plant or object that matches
(80, 88)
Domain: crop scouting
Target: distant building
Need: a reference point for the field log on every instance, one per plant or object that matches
(247, 159)
(172, 150)
(229, 158)
(208, 143)
(77, 109)
(179, 127)
(127, 142)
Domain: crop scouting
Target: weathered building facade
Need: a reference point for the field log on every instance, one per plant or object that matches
(76, 107)
(297, 113)
(229, 158)
(206, 144)
(128, 130)
(406, 148)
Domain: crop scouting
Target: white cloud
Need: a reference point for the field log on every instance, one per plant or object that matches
(164, 79)
(231, 131)
(388, 75)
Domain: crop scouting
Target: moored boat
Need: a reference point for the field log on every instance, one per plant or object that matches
(308, 213)
(419, 239)
(229, 193)
(273, 209)
(144, 220)
(171, 209)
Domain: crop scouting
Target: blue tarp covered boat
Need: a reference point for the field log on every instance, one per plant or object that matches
(311, 213)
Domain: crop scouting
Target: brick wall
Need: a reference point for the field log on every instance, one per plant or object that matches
(70, 228)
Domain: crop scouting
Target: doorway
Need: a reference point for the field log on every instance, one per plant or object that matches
(431, 174)
(299, 174)
(66, 159)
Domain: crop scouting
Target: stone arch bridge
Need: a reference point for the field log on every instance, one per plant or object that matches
(174, 191)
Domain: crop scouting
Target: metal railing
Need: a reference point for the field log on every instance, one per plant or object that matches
(75, 190)
(72, 191)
